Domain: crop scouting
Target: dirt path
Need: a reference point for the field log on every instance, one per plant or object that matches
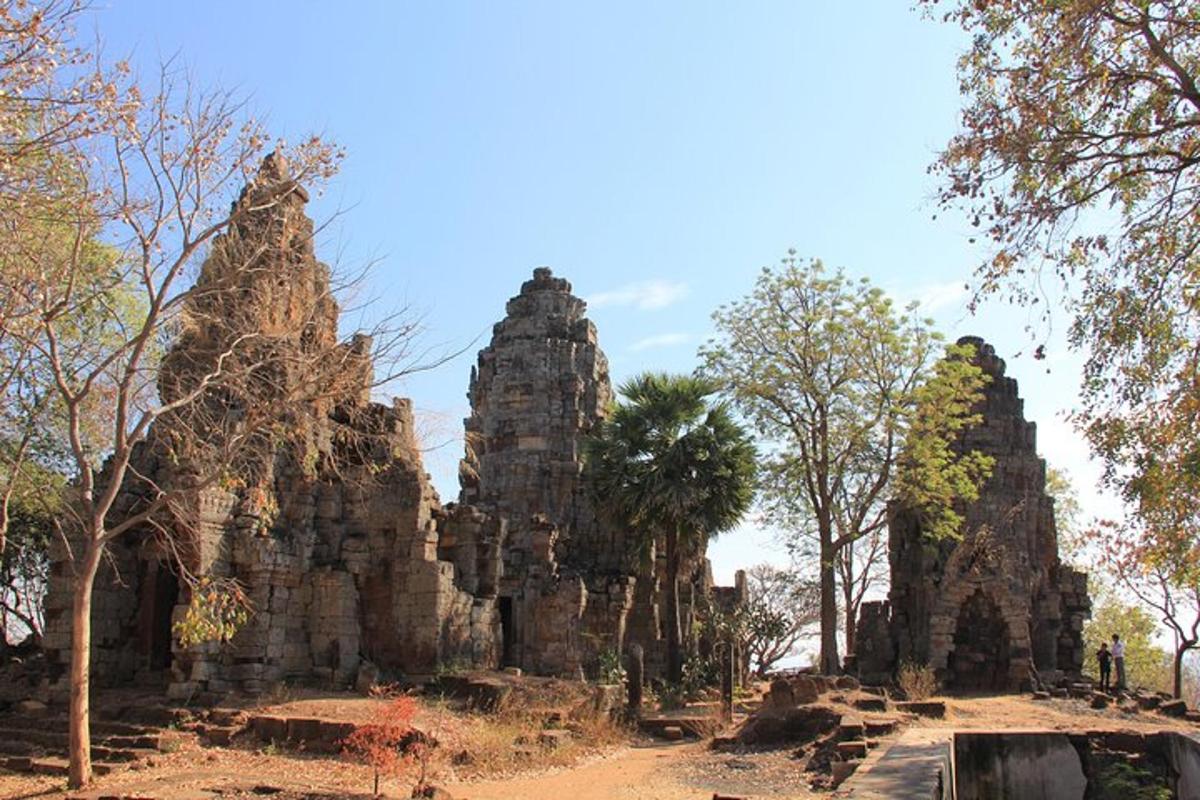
(651, 772)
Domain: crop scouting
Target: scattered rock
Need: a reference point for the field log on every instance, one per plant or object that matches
(923, 708)
(799, 724)
(1173, 708)
(672, 733)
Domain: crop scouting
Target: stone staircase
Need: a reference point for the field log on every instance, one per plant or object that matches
(853, 742)
(37, 742)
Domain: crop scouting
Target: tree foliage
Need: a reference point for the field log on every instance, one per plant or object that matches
(1170, 591)
(1072, 537)
(673, 466)
(1077, 159)
(857, 405)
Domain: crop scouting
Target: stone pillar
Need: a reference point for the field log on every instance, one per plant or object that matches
(634, 674)
(728, 657)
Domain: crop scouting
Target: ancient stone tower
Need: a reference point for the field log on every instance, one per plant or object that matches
(326, 521)
(569, 585)
(565, 584)
(998, 608)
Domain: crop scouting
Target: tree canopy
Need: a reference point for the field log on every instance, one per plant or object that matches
(1077, 160)
(857, 405)
(670, 464)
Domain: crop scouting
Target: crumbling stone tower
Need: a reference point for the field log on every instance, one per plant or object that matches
(326, 520)
(997, 609)
(563, 579)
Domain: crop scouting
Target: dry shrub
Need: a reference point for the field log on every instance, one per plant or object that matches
(386, 743)
(508, 742)
(917, 681)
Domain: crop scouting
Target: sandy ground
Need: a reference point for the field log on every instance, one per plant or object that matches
(639, 770)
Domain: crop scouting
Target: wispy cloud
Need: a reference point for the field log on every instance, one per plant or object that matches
(933, 296)
(642, 295)
(661, 340)
(941, 295)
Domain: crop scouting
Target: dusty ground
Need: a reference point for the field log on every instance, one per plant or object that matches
(635, 769)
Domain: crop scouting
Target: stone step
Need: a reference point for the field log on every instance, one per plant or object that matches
(49, 766)
(29, 748)
(880, 726)
(315, 735)
(870, 703)
(219, 735)
(850, 729)
(923, 708)
(701, 727)
(853, 749)
(99, 727)
(58, 738)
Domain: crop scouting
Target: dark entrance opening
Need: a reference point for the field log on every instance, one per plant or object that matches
(507, 633)
(980, 658)
(159, 595)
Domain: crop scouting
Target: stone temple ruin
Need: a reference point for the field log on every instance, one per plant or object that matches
(334, 529)
(997, 609)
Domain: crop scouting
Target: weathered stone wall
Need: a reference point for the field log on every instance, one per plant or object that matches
(997, 607)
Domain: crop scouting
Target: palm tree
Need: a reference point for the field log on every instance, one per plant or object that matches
(669, 463)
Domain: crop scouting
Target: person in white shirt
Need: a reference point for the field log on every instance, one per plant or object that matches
(1118, 654)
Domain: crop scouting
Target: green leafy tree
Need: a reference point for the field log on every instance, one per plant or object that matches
(858, 406)
(25, 561)
(674, 466)
(1077, 159)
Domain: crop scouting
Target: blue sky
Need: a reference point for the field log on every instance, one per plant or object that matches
(657, 155)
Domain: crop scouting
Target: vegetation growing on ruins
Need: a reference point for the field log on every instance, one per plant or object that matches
(674, 466)
(856, 405)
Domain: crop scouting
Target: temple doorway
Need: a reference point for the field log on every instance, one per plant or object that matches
(979, 660)
(507, 633)
(159, 596)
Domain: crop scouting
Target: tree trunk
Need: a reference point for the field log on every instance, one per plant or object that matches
(851, 616)
(1177, 667)
(830, 663)
(674, 653)
(80, 736)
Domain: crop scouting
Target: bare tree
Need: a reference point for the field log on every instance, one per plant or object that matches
(860, 566)
(153, 195)
(781, 609)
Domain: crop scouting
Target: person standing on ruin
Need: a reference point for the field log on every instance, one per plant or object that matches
(1118, 654)
(1104, 659)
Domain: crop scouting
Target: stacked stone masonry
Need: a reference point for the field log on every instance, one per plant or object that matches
(335, 531)
(996, 609)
